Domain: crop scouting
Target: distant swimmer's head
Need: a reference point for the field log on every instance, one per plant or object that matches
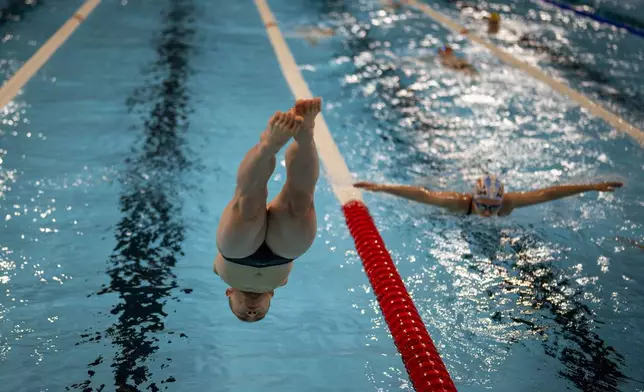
(488, 196)
(445, 50)
(494, 23)
(249, 306)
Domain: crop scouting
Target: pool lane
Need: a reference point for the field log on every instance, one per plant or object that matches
(119, 165)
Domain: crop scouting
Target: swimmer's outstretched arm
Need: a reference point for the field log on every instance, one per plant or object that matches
(453, 201)
(523, 199)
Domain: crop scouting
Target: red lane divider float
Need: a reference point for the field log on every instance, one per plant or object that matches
(424, 365)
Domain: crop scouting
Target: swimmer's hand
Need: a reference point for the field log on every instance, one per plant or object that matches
(607, 186)
(370, 186)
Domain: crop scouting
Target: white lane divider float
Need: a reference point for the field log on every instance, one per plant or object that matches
(12, 87)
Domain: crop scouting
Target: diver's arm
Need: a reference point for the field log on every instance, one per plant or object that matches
(523, 199)
(453, 201)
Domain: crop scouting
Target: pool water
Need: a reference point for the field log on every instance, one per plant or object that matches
(118, 157)
(595, 58)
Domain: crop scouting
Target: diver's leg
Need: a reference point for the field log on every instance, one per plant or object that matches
(242, 227)
(292, 222)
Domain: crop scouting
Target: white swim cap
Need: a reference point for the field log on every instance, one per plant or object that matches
(489, 187)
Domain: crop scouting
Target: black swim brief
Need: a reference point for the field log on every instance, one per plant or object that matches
(263, 257)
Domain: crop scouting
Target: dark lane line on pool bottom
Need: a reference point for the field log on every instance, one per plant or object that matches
(548, 305)
(151, 231)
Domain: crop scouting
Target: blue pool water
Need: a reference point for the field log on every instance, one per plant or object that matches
(120, 154)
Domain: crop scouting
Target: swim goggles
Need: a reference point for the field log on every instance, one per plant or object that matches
(487, 207)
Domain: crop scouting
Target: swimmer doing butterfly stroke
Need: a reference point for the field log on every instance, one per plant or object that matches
(488, 198)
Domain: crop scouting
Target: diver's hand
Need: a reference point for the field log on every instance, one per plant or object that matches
(370, 186)
(607, 186)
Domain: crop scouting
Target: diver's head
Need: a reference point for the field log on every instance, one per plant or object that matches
(248, 306)
(488, 196)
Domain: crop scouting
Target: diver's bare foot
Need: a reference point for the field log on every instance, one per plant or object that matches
(308, 109)
(281, 128)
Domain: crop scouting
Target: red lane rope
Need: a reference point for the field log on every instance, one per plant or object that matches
(424, 365)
